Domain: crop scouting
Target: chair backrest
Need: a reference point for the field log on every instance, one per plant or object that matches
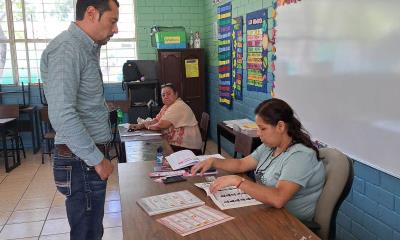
(338, 182)
(204, 124)
(45, 125)
(243, 144)
(9, 111)
(41, 94)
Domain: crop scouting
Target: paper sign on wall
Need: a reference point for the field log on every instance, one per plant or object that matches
(192, 68)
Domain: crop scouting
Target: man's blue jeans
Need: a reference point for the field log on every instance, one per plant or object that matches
(85, 193)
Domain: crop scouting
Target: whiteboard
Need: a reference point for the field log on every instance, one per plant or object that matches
(338, 66)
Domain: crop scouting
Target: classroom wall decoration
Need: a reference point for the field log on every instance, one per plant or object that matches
(237, 57)
(257, 52)
(283, 2)
(225, 54)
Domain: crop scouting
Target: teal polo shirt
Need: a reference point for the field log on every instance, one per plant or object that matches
(298, 164)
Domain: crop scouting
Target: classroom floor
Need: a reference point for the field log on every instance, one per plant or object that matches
(31, 208)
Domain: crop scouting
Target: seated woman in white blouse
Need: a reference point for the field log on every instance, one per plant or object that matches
(177, 122)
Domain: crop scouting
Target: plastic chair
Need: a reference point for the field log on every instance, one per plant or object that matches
(243, 146)
(115, 140)
(338, 182)
(47, 132)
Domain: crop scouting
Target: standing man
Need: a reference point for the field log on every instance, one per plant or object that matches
(73, 85)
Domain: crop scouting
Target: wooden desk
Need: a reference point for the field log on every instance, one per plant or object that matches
(255, 222)
(227, 132)
(5, 125)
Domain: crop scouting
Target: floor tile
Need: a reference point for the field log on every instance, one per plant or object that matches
(7, 205)
(56, 226)
(21, 230)
(112, 206)
(62, 236)
(58, 201)
(112, 220)
(4, 217)
(112, 195)
(57, 212)
(113, 233)
(39, 194)
(34, 215)
(34, 203)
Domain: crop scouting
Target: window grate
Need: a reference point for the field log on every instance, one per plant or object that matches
(27, 26)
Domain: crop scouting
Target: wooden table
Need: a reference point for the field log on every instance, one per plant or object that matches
(255, 222)
(228, 133)
(5, 125)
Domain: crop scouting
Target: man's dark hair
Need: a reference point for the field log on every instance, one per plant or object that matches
(101, 5)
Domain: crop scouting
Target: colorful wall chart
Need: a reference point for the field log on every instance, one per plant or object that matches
(225, 54)
(237, 57)
(283, 2)
(257, 51)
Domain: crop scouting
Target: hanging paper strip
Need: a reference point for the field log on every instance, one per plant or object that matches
(257, 52)
(225, 54)
(283, 2)
(237, 57)
(273, 48)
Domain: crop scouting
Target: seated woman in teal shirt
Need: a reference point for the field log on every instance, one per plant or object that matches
(287, 167)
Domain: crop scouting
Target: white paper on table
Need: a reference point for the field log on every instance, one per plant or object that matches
(194, 220)
(229, 197)
(186, 158)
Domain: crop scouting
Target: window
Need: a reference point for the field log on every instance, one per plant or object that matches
(27, 26)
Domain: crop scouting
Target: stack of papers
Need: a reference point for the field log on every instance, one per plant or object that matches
(139, 133)
(169, 202)
(245, 126)
(186, 158)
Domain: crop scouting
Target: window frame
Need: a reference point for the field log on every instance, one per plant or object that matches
(12, 43)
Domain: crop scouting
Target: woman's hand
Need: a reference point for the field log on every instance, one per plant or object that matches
(136, 126)
(225, 181)
(147, 124)
(202, 166)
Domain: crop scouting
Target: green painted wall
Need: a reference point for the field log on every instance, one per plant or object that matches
(168, 13)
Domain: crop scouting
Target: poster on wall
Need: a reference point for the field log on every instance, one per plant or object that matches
(237, 57)
(224, 16)
(257, 51)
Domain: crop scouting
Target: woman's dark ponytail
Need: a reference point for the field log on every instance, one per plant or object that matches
(274, 110)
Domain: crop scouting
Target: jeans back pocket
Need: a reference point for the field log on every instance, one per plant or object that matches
(62, 178)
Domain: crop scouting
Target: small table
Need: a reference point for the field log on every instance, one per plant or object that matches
(142, 148)
(254, 222)
(228, 133)
(5, 125)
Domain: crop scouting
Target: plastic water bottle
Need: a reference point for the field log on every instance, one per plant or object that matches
(191, 40)
(120, 116)
(160, 156)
